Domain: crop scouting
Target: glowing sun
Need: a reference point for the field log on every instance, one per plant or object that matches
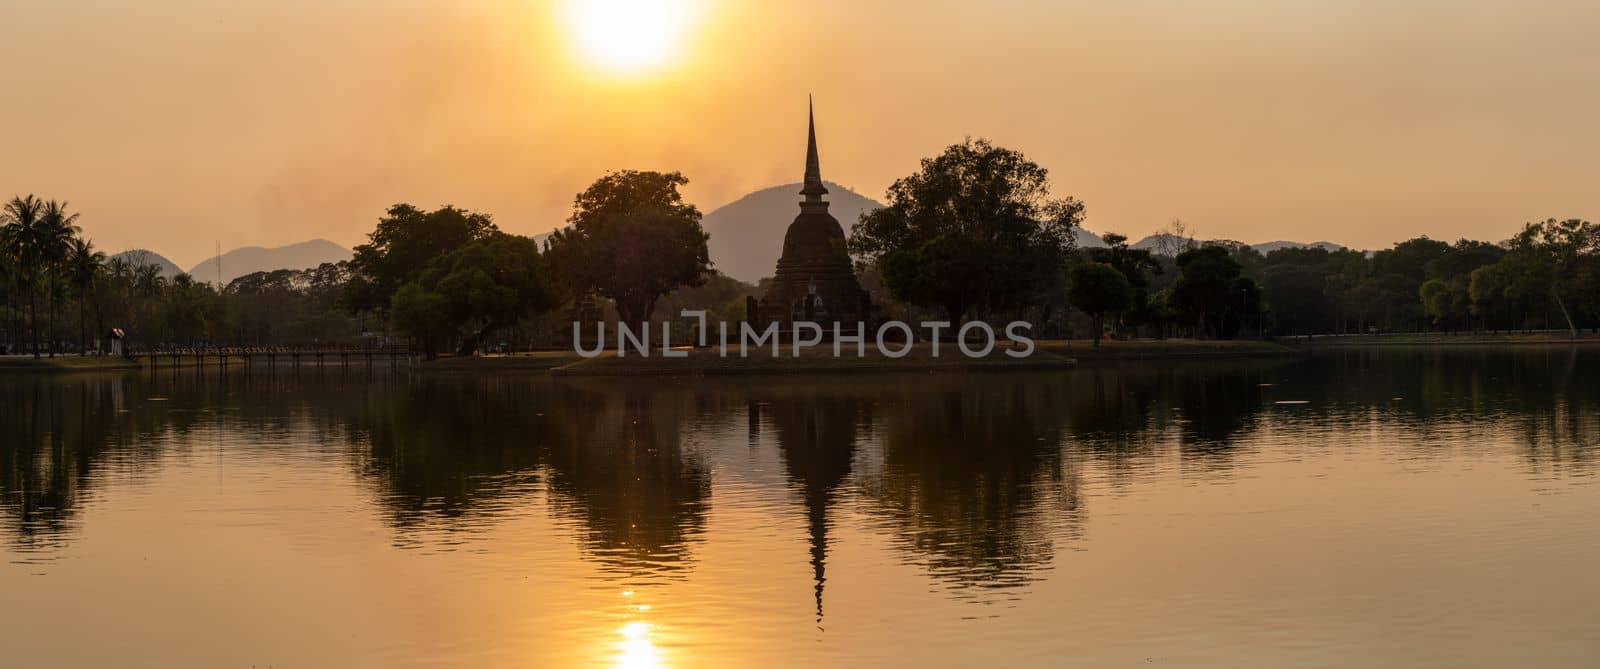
(628, 36)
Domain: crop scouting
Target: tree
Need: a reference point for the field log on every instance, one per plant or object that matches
(405, 241)
(8, 283)
(974, 229)
(1561, 250)
(1098, 289)
(186, 310)
(1409, 258)
(85, 266)
(631, 238)
(1137, 265)
(1484, 289)
(1205, 287)
(1446, 303)
(1244, 306)
(26, 235)
(1297, 297)
(1463, 257)
(485, 285)
(56, 235)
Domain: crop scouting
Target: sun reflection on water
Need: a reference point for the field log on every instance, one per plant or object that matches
(637, 649)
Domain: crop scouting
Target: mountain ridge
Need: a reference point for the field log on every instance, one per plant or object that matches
(247, 260)
(747, 233)
(137, 257)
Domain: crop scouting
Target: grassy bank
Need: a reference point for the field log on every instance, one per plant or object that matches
(1085, 351)
(1439, 339)
(1055, 354)
(536, 361)
(814, 360)
(65, 363)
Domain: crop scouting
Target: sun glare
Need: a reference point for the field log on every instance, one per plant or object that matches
(628, 36)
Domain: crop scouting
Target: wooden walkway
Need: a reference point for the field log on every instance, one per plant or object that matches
(272, 356)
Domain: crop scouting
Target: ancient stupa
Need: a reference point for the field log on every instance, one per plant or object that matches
(815, 281)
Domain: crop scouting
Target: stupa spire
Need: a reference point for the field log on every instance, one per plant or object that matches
(814, 190)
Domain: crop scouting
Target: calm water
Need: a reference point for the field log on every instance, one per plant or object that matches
(1364, 509)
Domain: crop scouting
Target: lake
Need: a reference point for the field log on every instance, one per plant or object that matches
(1416, 508)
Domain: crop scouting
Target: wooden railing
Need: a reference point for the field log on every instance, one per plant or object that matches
(292, 356)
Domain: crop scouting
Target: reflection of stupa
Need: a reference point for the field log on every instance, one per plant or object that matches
(817, 439)
(815, 281)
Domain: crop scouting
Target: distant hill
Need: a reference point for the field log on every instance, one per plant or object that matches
(1268, 247)
(1163, 241)
(251, 259)
(1160, 241)
(137, 257)
(747, 234)
(1088, 240)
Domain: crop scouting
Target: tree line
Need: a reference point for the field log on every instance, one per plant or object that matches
(974, 233)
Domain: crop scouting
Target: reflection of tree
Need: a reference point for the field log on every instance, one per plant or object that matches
(450, 446)
(1547, 392)
(977, 474)
(58, 435)
(973, 475)
(1125, 414)
(1216, 405)
(817, 438)
(624, 474)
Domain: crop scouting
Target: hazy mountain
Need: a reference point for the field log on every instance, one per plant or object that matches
(747, 234)
(1162, 240)
(137, 257)
(1268, 247)
(252, 259)
(1088, 240)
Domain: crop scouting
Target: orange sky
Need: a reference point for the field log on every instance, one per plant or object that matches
(174, 124)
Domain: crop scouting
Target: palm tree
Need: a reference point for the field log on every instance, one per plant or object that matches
(8, 278)
(115, 298)
(24, 226)
(148, 285)
(55, 244)
(86, 266)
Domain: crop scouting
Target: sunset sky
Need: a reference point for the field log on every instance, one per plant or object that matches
(174, 124)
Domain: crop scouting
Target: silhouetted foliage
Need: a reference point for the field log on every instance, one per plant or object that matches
(485, 285)
(1099, 289)
(405, 241)
(631, 238)
(974, 230)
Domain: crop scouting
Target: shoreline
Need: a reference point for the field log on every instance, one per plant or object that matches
(63, 364)
(1049, 355)
(1053, 354)
(818, 360)
(1420, 340)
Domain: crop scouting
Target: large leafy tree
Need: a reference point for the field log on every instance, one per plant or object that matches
(1297, 297)
(1563, 252)
(1099, 289)
(1463, 257)
(1206, 287)
(974, 229)
(1137, 265)
(188, 310)
(631, 238)
(1409, 258)
(406, 240)
(1447, 302)
(488, 284)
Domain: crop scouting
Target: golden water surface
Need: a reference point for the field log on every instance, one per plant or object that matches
(1365, 509)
